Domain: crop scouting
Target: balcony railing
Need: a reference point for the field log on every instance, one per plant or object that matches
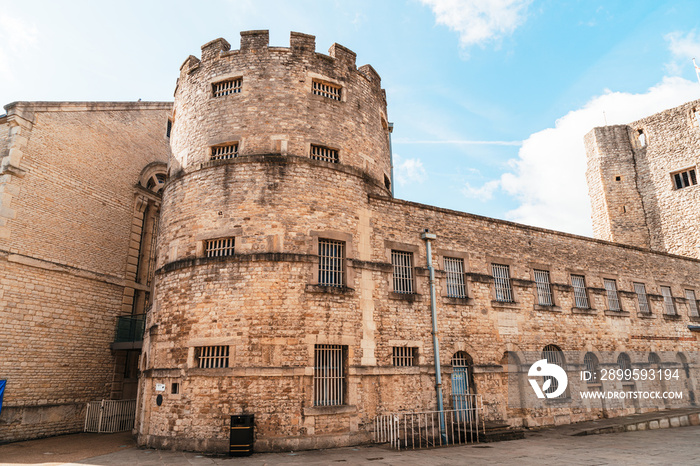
(130, 328)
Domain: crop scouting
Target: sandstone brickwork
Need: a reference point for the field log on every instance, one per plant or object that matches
(69, 191)
(268, 306)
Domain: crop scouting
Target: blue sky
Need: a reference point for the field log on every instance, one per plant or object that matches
(490, 99)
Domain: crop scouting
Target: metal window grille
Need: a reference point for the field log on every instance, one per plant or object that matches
(590, 360)
(501, 278)
(403, 356)
(231, 86)
(692, 302)
(611, 290)
(403, 271)
(669, 307)
(455, 277)
(641, 291)
(224, 152)
(685, 178)
(654, 359)
(324, 154)
(326, 90)
(212, 357)
(554, 355)
(329, 375)
(544, 290)
(331, 258)
(625, 363)
(580, 297)
(220, 247)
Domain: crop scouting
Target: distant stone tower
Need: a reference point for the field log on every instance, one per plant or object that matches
(642, 180)
(275, 150)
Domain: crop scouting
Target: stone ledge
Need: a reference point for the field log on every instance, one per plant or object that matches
(610, 313)
(410, 297)
(329, 410)
(539, 307)
(327, 289)
(458, 301)
(582, 311)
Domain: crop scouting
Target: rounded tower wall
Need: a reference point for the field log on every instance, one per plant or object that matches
(273, 104)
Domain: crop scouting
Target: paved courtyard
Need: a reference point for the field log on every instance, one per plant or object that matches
(549, 447)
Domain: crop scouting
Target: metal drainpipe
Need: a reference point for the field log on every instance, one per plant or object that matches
(427, 236)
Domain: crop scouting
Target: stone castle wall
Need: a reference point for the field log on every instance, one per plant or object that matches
(68, 187)
(632, 191)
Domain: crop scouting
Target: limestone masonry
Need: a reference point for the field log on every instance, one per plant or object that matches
(267, 269)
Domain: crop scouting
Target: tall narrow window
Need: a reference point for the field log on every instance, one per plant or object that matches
(592, 364)
(544, 289)
(331, 262)
(642, 300)
(220, 247)
(404, 356)
(611, 291)
(669, 306)
(211, 357)
(402, 263)
(329, 375)
(228, 151)
(641, 137)
(580, 297)
(328, 90)
(324, 154)
(554, 355)
(231, 86)
(501, 279)
(692, 303)
(625, 364)
(454, 268)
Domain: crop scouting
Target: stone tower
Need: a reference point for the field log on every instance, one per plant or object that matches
(275, 149)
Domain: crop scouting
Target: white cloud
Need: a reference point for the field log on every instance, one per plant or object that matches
(548, 178)
(683, 47)
(484, 193)
(479, 21)
(408, 170)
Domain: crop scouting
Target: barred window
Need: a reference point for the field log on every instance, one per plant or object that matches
(220, 247)
(684, 178)
(331, 262)
(402, 263)
(641, 291)
(669, 306)
(580, 296)
(329, 375)
(501, 278)
(590, 360)
(331, 91)
(404, 356)
(324, 154)
(611, 290)
(554, 355)
(625, 363)
(228, 151)
(230, 86)
(211, 357)
(692, 303)
(544, 289)
(455, 277)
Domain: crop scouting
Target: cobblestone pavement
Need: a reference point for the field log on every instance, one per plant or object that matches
(549, 447)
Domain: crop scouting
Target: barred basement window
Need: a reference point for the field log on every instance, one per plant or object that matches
(592, 364)
(641, 291)
(329, 375)
(324, 154)
(684, 178)
(692, 303)
(331, 91)
(611, 290)
(220, 247)
(580, 297)
(554, 355)
(403, 271)
(211, 357)
(331, 262)
(455, 277)
(229, 151)
(544, 290)
(625, 364)
(501, 278)
(669, 306)
(231, 86)
(403, 356)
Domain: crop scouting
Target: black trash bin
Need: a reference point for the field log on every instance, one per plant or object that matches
(242, 435)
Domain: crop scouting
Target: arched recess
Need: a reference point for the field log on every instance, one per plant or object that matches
(554, 355)
(462, 380)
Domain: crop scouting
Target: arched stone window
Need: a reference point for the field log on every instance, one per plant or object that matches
(625, 364)
(462, 380)
(590, 361)
(554, 355)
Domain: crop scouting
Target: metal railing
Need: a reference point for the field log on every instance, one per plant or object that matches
(108, 416)
(130, 328)
(412, 430)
